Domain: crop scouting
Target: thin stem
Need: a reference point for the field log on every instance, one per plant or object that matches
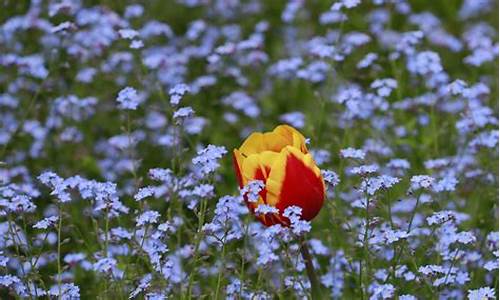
(361, 279)
(201, 221)
(315, 287)
(259, 278)
(401, 248)
(453, 262)
(424, 280)
(410, 223)
(293, 264)
(141, 244)
(389, 208)
(59, 270)
(435, 131)
(15, 238)
(221, 270)
(131, 154)
(106, 230)
(365, 245)
(242, 272)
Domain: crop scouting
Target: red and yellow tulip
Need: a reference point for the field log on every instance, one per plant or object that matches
(281, 160)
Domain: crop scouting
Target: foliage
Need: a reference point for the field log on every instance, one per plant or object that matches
(117, 124)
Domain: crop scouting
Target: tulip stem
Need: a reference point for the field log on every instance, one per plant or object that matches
(306, 255)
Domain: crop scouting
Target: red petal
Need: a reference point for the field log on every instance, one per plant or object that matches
(301, 187)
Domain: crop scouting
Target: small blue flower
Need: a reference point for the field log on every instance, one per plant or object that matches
(128, 99)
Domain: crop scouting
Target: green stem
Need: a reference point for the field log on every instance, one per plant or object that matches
(435, 131)
(401, 248)
(259, 278)
(201, 221)
(414, 212)
(15, 237)
(221, 270)
(293, 262)
(59, 270)
(365, 245)
(242, 272)
(311, 273)
(106, 230)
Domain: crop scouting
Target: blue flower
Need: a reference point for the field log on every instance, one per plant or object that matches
(128, 99)
(207, 159)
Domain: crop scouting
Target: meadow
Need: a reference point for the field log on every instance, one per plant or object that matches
(119, 177)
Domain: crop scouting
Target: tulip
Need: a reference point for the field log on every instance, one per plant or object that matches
(280, 160)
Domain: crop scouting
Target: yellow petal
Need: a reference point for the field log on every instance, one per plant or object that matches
(275, 141)
(253, 144)
(279, 138)
(276, 178)
(257, 166)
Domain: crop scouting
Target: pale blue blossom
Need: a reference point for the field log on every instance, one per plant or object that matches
(481, 294)
(264, 209)
(128, 98)
(148, 217)
(352, 153)
(252, 190)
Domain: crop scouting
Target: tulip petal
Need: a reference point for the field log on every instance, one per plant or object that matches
(295, 180)
(258, 167)
(293, 137)
(237, 162)
(253, 144)
(275, 141)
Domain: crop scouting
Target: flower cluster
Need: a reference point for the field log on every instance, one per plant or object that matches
(116, 120)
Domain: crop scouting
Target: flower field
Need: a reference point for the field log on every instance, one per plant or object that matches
(249, 149)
